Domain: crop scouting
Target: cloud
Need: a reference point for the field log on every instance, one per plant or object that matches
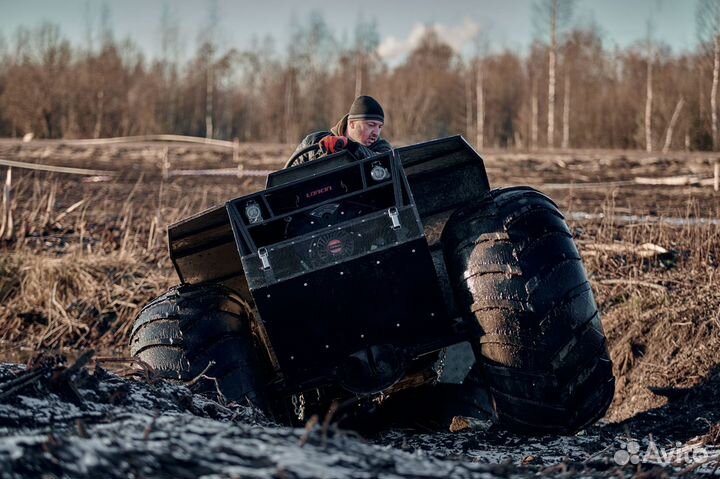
(457, 36)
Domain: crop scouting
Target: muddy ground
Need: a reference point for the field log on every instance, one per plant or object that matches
(67, 422)
(84, 252)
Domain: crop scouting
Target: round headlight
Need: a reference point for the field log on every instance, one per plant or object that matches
(253, 213)
(379, 173)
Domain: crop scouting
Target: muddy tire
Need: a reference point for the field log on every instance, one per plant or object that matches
(181, 332)
(517, 274)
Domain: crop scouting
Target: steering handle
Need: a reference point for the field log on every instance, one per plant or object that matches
(308, 149)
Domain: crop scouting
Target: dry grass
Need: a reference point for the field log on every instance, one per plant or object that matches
(74, 300)
(79, 264)
(661, 312)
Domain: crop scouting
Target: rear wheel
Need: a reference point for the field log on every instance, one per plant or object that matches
(516, 272)
(191, 328)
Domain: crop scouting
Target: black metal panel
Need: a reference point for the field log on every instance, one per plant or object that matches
(214, 263)
(429, 152)
(317, 320)
(202, 247)
(210, 218)
(309, 169)
(443, 174)
(440, 191)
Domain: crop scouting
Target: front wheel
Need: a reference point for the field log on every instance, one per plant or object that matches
(516, 273)
(196, 328)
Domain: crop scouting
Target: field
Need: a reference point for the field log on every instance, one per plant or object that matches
(81, 254)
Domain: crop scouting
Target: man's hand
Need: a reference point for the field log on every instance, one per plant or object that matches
(332, 144)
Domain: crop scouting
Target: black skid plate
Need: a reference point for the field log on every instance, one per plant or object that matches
(317, 320)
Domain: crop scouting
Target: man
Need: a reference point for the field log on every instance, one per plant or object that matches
(357, 132)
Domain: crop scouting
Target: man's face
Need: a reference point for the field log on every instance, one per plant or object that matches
(365, 132)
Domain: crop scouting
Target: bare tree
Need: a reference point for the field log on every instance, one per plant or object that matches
(534, 114)
(713, 94)
(551, 73)
(288, 122)
(535, 66)
(469, 100)
(34, 94)
(648, 106)
(504, 99)
(480, 93)
(209, 40)
(209, 93)
(426, 90)
(671, 125)
(708, 27)
(89, 27)
(482, 47)
(3, 49)
(552, 15)
(107, 36)
(566, 111)
(367, 40)
(107, 42)
(650, 54)
(170, 48)
(312, 54)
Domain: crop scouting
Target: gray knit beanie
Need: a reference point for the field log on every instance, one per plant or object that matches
(366, 108)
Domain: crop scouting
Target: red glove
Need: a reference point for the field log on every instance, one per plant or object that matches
(332, 144)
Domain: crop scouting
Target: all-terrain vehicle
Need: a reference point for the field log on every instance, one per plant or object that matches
(347, 281)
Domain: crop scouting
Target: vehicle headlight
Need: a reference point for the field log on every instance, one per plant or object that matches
(379, 172)
(253, 212)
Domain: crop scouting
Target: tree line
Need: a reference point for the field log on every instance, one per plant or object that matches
(568, 91)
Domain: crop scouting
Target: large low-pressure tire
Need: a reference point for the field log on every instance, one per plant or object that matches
(182, 331)
(516, 271)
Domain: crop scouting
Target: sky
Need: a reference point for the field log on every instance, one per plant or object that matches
(500, 24)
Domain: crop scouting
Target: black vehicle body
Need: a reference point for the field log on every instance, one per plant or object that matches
(353, 288)
(347, 280)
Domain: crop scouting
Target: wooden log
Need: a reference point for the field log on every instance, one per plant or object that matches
(683, 180)
(240, 171)
(631, 282)
(55, 169)
(140, 138)
(645, 250)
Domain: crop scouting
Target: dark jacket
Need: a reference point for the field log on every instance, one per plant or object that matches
(360, 151)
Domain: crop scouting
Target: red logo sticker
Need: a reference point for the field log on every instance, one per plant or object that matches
(321, 191)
